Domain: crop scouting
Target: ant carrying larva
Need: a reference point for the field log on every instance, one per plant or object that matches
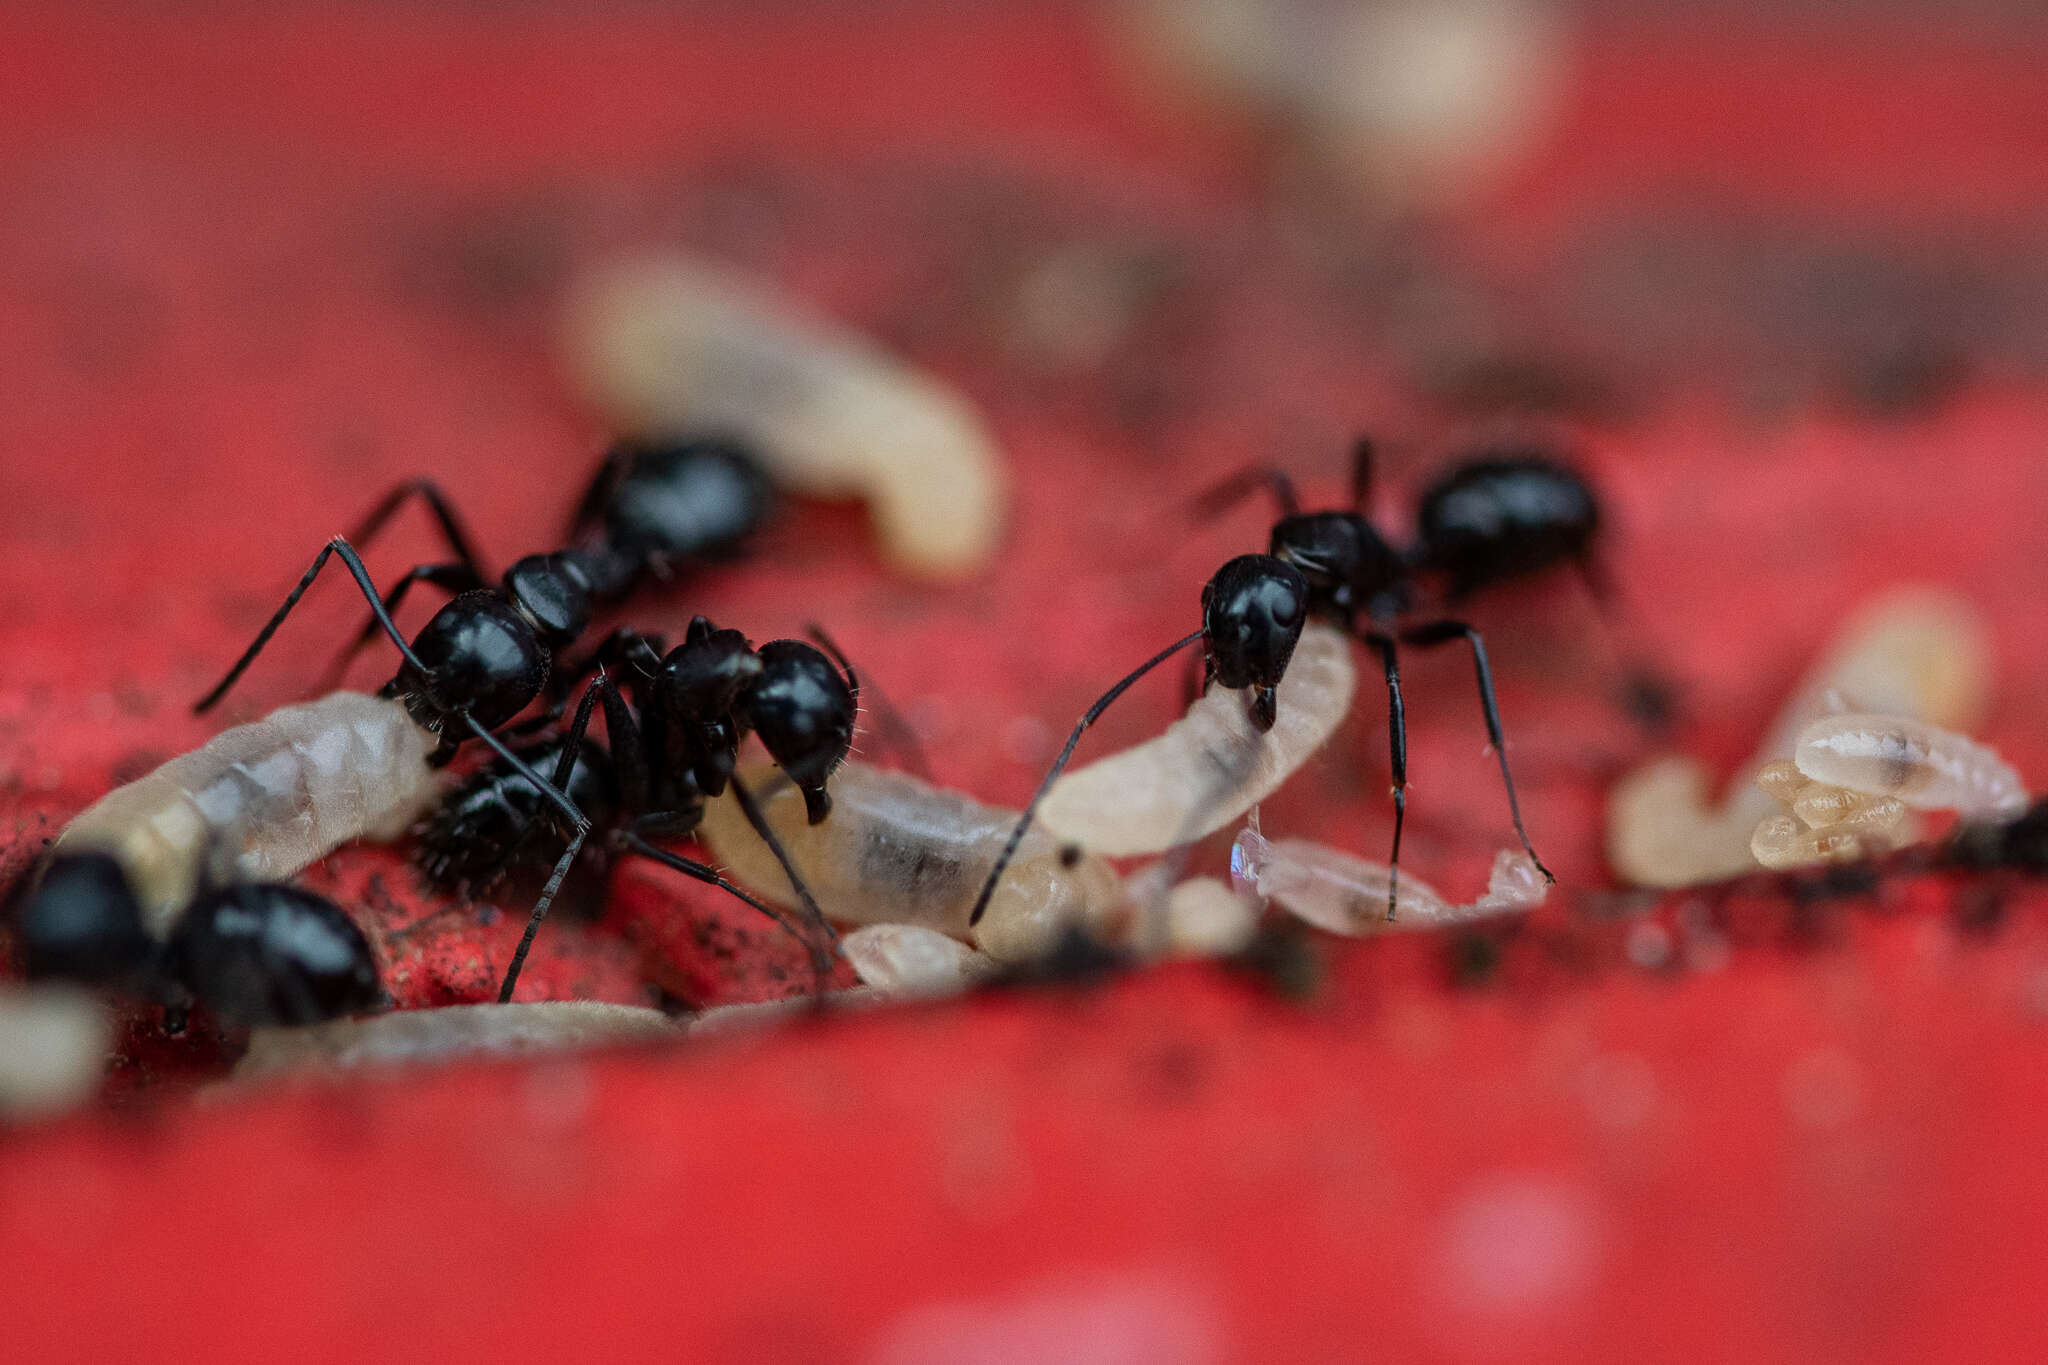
(488, 654)
(1491, 518)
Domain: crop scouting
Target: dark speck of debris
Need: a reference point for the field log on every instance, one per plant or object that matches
(1070, 855)
(1472, 960)
(1980, 910)
(1078, 959)
(1285, 958)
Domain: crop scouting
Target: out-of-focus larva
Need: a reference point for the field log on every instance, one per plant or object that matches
(899, 851)
(1210, 766)
(260, 802)
(1917, 653)
(1414, 102)
(668, 346)
(1206, 917)
(54, 1042)
(1345, 894)
(911, 960)
(410, 1037)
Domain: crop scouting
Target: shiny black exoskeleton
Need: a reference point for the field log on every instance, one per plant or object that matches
(675, 726)
(1503, 514)
(488, 653)
(482, 831)
(251, 953)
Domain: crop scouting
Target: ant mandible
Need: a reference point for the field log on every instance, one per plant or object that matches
(1492, 517)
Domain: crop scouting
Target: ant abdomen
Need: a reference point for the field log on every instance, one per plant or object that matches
(493, 825)
(1502, 516)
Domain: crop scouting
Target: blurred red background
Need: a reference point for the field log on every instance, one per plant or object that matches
(1778, 275)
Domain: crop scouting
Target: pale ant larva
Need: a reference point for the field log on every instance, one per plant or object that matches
(901, 851)
(450, 1033)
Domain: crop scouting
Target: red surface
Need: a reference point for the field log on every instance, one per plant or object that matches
(252, 271)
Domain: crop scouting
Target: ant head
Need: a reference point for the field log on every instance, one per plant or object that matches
(704, 677)
(803, 710)
(268, 953)
(81, 922)
(1346, 561)
(553, 593)
(482, 656)
(692, 499)
(1253, 610)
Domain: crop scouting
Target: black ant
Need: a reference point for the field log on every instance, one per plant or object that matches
(250, 952)
(488, 654)
(695, 704)
(1492, 517)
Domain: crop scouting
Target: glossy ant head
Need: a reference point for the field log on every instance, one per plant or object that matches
(553, 593)
(1348, 564)
(803, 709)
(482, 655)
(269, 953)
(81, 922)
(1253, 610)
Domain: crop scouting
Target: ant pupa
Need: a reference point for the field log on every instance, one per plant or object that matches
(667, 344)
(1914, 653)
(1343, 894)
(452, 1032)
(900, 851)
(1493, 517)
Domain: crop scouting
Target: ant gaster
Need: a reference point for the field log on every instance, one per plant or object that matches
(1492, 517)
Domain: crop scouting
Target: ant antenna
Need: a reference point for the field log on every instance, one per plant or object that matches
(1094, 713)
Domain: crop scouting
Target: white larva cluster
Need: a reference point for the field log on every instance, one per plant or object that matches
(1344, 894)
(1210, 766)
(262, 801)
(666, 346)
(1916, 654)
(452, 1033)
(1854, 776)
(899, 851)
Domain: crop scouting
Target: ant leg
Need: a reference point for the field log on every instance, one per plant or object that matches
(602, 485)
(1397, 747)
(1646, 693)
(634, 842)
(623, 647)
(1363, 457)
(340, 547)
(1443, 632)
(1219, 498)
(890, 721)
(427, 491)
(454, 578)
(821, 961)
(1093, 714)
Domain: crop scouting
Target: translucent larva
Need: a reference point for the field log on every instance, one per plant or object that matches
(410, 1037)
(668, 346)
(899, 851)
(1344, 894)
(260, 802)
(1922, 766)
(911, 960)
(1210, 766)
